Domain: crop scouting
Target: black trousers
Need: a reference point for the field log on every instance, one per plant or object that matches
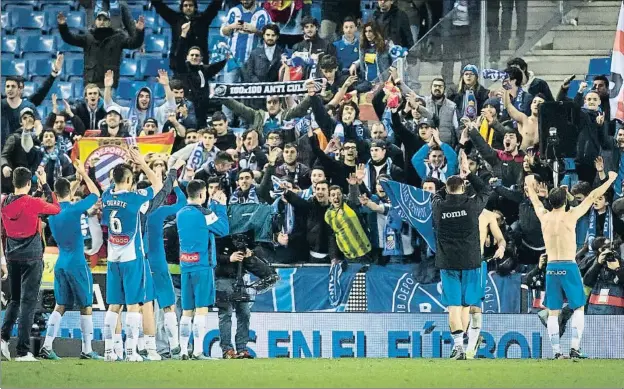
(24, 282)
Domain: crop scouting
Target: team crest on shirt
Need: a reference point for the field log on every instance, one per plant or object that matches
(110, 153)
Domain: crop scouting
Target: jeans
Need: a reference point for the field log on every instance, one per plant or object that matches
(24, 281)
(225, 287)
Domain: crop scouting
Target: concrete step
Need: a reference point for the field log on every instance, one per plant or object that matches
(579, 38)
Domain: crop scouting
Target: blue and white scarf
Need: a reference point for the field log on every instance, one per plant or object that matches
(607, 229)
(55, 155)
(134, 115)
(368, 177)
(339, 131)
(276, 193)
(200, 156)
(237, 196)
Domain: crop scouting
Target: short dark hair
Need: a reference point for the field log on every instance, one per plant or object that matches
(335, 187)
(48, 130)
(291, 145)
(120, 172)
(19, 80)
(207, 130)
(194, 187)
(222, 157)
(602, 78)
(214, 180)
(21, 177)
(62, 187)
(435, 181)
(581, 187)
(348, 19)
(246, 170)
(509, 130)
(176, 84)
(143, 184)
(453, 183)
(557, 197)
(351, 103)
(328, 62)
(519, 62)
(273, 27)
(439, 79)
(219, 116)
(514, 74)
(322, 182)
(309, 20)
(540, 95)
(247, 132)
(195, 48)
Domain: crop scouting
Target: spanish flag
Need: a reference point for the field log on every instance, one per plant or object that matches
(105, 153)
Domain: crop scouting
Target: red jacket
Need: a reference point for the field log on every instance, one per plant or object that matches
(22, 226)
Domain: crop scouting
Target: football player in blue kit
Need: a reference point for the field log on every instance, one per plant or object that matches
(73, 282)
(197, 227)
(128, 278)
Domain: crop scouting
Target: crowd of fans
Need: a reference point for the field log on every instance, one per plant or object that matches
(311, 157)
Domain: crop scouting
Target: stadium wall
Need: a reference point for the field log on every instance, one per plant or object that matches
(395, 335)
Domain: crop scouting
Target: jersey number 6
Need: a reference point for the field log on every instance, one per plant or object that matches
(115, 223)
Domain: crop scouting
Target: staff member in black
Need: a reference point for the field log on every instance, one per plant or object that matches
(458, 255)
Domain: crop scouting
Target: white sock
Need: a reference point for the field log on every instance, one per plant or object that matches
(141, 339)
(474, 330)
(110, 340)
(150, 343)
(199, 333)
(171, 326)
(118, 345)
(578, 325)
(553, 333)
(54, 322)
(458, 339)
(133, 323)
(185, 333)
(86, 326)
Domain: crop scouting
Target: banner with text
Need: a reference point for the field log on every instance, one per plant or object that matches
(262, 89)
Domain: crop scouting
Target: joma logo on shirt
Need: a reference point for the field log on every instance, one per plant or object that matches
(449, 215)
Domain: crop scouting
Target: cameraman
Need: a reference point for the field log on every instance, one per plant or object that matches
(606, 278)
(231, 291)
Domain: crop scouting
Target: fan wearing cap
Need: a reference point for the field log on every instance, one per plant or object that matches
(103, 46)
(469, 90)
(434, 159)
(113, 124)
(380, 133)
(380, 164)
(19, 150)
(150, 126)
(312, 43)
(490, 127)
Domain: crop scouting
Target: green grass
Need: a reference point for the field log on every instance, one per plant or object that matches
(379, 373)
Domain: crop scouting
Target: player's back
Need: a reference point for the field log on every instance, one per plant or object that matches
(559, 231)
(194, 237)
(121, 213)
(66, 228)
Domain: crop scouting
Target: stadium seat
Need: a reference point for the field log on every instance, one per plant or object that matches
(32, 20)
(156, 43)
(574, 85)
(10, 44)
(78, 89)
(19, 8)
(38, 44)
(43, 111)
(129, 68)
(6, 3)
(149, 66)
(157, 89)
(53, 10)
(29, 88)
(124, 89)
(76, 19)
(39, 66)
(65, 47)
(152, 21)
(218, 21)
(5, 20)
(74, 67)
(57, 3)
(14, 67)
(316, 13)
(598, 66)
(63, 89)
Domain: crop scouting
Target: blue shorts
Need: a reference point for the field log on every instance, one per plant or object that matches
(462, 287)
(127, 283)
(563, 279)
(150, 291)
(484, 275)
(163, 286)
(198, 289)
(73, 287)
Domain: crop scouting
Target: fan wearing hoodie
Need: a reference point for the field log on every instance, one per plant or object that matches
(143, 107)
(24, 254)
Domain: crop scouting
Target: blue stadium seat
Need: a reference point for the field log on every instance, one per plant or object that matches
(38, 44)
(43, 111)
(10, 44)
(218, 21)
(76, 19)
(156, 43)
(53, 10)
(29, 88)
(157, 89)
(366, 15)
(5, 20)
(32, 20)
(129, 68)
(598, 66)
(32, 3)
(63, 89)
(74, 67)
(19, 8)
(124, 89)
(316, 13)
(14, 67)
(65, 47)
(135, 86)
(78, 89)
(151, 21)
(150, 66)
(574, 85)
(57, 3)
(136, 54)
(40, 66)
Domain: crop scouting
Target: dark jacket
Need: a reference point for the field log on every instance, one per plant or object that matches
(14, 155)
(457, 96)
(395, 26)
(21, 224)
(198, 34)
(335, 170)
(258, 67)
(456, 221)
(227, 269)
(592, 137)
(103, 50)
(538, 85)
(412, 142)
(81, 109)
(504, 165)
(313, 213)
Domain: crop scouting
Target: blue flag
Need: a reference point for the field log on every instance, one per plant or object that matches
(414, 206)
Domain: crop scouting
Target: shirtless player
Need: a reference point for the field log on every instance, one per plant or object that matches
(562, 273)
(527, 125)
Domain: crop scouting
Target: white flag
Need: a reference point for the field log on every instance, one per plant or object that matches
(617, 70)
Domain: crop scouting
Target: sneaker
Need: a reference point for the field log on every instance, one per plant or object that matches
(230, 354)
(92, 355)
(152, 355)
(143, 353)
(26, 358)
(185, 357)
(134, 358)
(577, 354)
(458, 354)
(46, 353)
(244, 355)
(112, 357)
(560, 356)
(4, 350)
(175, 353)
(201, 357)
